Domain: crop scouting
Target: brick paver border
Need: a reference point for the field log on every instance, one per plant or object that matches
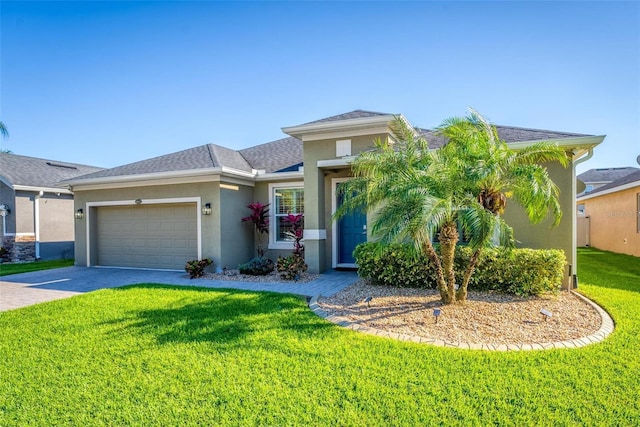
(606, 328)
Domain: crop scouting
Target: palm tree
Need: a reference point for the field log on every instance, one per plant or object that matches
(416, 193)
(497, 173)
(3, 130)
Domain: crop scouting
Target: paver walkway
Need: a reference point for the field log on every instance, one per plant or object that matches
(21, 290)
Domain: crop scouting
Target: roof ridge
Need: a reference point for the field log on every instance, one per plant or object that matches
(212, 156)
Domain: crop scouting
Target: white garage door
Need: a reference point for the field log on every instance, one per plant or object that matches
(147, 236)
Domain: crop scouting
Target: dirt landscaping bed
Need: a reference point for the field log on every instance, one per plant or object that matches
(487, 317)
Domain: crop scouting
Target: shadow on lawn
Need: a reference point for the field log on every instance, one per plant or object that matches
(229, 317)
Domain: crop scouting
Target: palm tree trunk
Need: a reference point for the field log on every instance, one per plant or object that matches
(461, 294)
(440, 280)
(448, 237)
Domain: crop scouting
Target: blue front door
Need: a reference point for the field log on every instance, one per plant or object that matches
(352, 230)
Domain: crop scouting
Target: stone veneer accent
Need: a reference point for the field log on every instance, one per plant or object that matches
(606, 328)
(21, 248)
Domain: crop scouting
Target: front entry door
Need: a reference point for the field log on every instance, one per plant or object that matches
(352, 230)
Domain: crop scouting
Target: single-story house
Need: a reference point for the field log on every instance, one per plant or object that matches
(596, 178)
(36, 212)
(160, 212)
(612, 216)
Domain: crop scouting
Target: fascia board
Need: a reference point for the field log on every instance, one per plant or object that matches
(609, 191)
(279, 176)
(158, 176)
(337, 125)
(569, 143)
(332, 163)
(44, 189)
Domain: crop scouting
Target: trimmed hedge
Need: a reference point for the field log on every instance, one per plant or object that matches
(521, 271)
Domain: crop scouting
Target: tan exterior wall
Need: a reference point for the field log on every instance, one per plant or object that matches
(543, 235)
(209, 192)
(56, 218)
(236, 237)
(317, 196)
(614, 221)
(24, 214)
(225, 239)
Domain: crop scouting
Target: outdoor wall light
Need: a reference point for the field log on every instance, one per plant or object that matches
(4, 210)
(546, 313)
(79, 214)
(206, 210)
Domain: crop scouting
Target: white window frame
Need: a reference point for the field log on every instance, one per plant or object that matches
(273, 243)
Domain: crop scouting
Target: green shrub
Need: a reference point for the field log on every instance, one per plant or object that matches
(291, 267)
(394, 265)
(259, 266)
(195, 267)
(521, 272)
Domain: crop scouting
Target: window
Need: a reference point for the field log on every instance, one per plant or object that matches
(588, 188)
(285, 199)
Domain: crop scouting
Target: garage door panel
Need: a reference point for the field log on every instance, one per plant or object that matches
(149, 236)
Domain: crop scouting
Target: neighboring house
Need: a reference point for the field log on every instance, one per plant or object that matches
(148, 214)
(595, 178)
(36, 213)
(612, 216)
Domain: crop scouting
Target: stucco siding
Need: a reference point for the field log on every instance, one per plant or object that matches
(236, 237)
(614, 221)
(24, 214)
(208, 192)
(318, 194)
(56, 218)
(543, 235)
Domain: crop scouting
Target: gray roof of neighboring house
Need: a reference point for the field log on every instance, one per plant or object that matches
(202, 157)
(628, 179)
(36, 172)
(605, 174)
(284, 154)
(274, 156)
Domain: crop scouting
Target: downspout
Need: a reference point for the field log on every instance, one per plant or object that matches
(36, 227)
(573, 279)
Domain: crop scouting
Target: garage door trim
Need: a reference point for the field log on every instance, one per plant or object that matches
(196, 200)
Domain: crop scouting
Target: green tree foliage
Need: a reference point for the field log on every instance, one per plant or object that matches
(416, 194)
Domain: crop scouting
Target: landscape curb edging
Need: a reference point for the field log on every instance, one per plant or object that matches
(606, 328)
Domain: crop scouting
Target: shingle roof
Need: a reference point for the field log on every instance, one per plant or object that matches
(36, 172)
(202, 157)
(283, 154)
(605, 174)
(628, 179)
(275, 155)
(355, 114)
(508, 134)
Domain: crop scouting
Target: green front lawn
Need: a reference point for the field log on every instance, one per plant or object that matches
(162, 355)
(6, 269)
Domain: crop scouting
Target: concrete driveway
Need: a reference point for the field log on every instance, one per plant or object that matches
(21, 290)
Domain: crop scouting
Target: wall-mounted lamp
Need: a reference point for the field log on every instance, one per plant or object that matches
(4, 210)
(206, 210)
(79, 214)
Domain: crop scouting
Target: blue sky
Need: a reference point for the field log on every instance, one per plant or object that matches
(109, 83)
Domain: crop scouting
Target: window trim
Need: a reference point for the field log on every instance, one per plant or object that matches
(273, 243)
